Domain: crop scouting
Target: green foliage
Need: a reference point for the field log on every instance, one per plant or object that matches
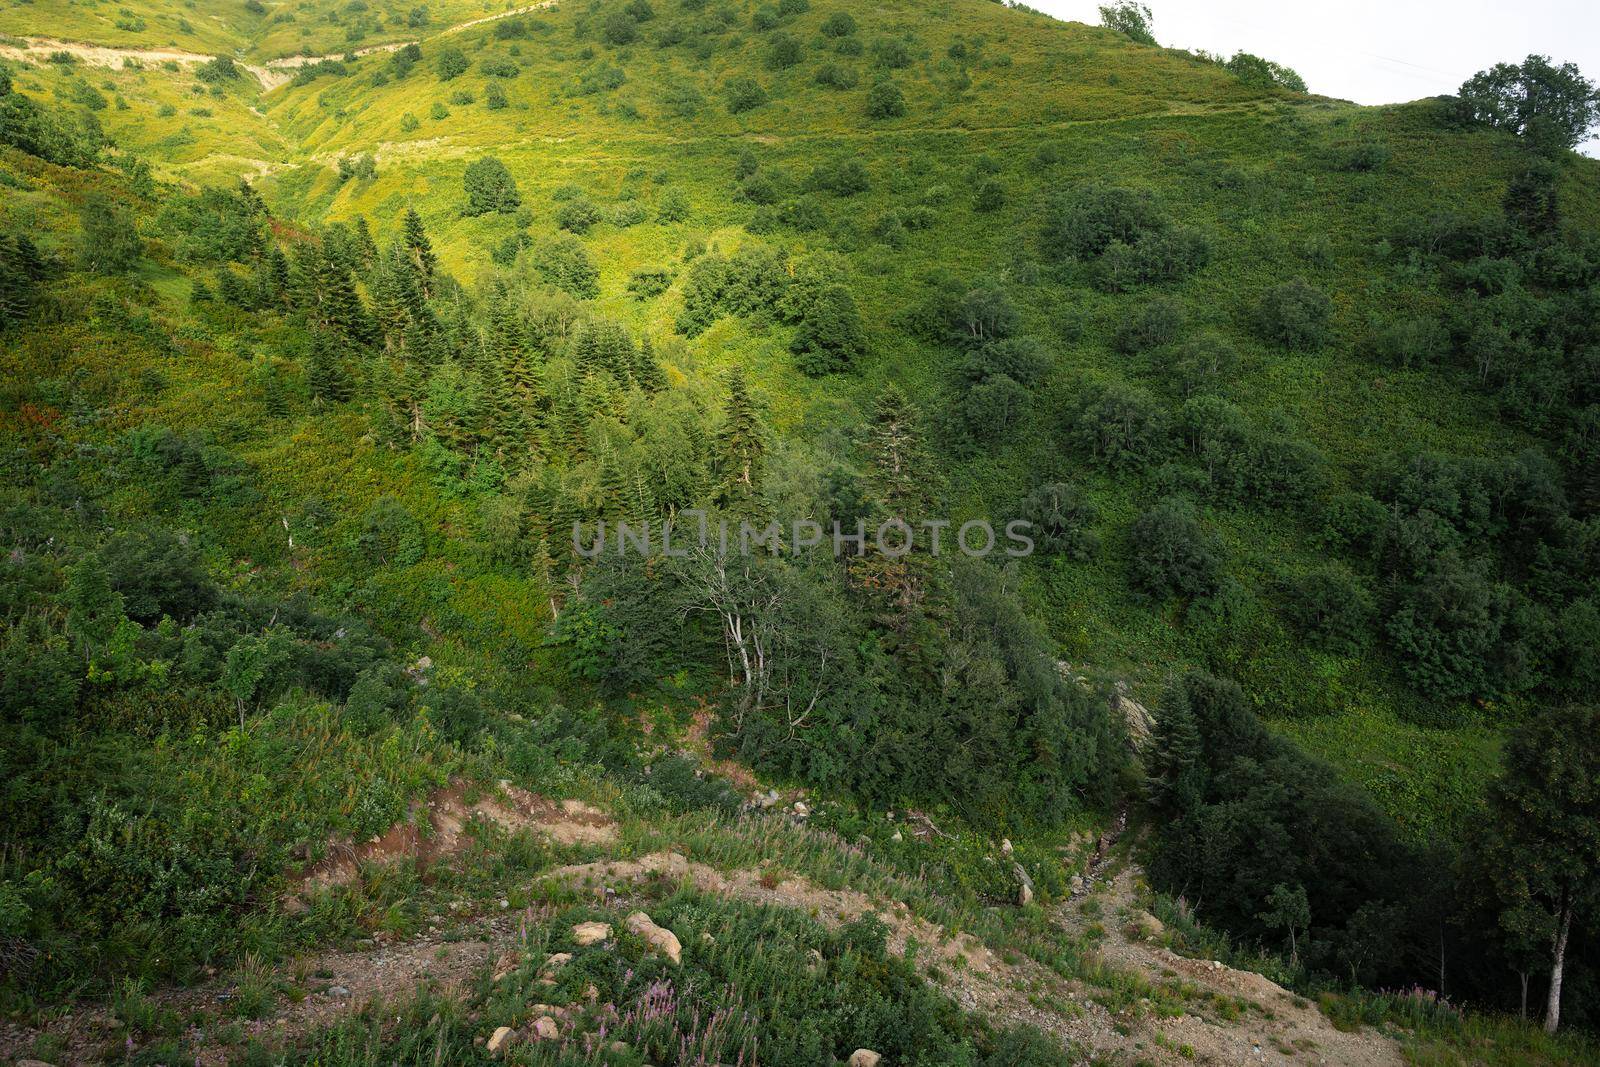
(450, 63)
(830, 337)
(839, 24)
(743, 93)
(110, 242)
(489, 188)
(1551, 107)
(1128, 18)
(1295, 315)
(565, 264)
(1120, 427)
(885, 101)
(1063, 521)
(1261, 73)
(1173, 553)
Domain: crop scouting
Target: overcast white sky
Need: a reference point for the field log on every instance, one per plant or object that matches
(1376, 51)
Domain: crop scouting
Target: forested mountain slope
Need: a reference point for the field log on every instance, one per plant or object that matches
(308, 381)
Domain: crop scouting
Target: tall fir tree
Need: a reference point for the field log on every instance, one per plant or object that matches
(419, 250)
(366, 247)
(646, 369)
(741, 448)
(325, 372)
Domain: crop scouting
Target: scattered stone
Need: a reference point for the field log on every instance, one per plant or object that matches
(591, 933)
(659, 938)
(897, 836)
(555, 961)
(865, 1057)
(338, 991)
(1024, 885)
(1005, 845)
(801, 809)
(545, 1028)
(500, 1040)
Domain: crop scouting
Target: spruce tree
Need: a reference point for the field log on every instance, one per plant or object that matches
(420, 252)
(325, 373)
(646, 370)
(741, 447)
(366, 247)
(389, 309)
(898, 463)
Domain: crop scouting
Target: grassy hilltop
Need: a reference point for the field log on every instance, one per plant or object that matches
(309, 368)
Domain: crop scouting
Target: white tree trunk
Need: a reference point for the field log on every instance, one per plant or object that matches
(1552, 1015)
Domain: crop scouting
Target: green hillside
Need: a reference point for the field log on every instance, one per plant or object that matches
(309, 371)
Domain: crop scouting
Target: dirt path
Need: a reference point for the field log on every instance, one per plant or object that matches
(1277, 1027)
(272, 74)
(1111, 1013)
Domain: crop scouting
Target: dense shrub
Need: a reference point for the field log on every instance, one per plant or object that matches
(743, 93)
(1204, 363)
(784, 51)
(1082, 223)
(837, 76)
(490, 188)
(839, 24)
(885, 101)
(578, 215)
(844, 177)
(1331, 607)
(1157, 322)
(450, 64)
(1120, 426)
(1063, 521)
(830, 337)
(1412, 343)
(565, 264)
(1171, 553)
(1295, 315)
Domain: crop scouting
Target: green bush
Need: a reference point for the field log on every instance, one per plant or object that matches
(1171, 553)
(837, 76)
(743, 94)
(1332, 608)
(563, 263)
(489, 188)
(1120, 426)
(885, 101)
(839, 24)
(1295, 315)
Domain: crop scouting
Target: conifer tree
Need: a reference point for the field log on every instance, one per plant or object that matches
(389, 309)
(897, 454)
(366, 247)
(569, 435)
(504, 422)
(325, 373)
(94, 609)
(646, 370)
(741, 447)
(419, 250)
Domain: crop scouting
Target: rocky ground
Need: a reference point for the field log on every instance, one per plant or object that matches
(1207, 1012)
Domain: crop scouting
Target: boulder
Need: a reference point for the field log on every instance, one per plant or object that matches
(659, 938)
(865, 1057)
(591, 933)
(1024, 885)
(500, 1040)
(545, 1028)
